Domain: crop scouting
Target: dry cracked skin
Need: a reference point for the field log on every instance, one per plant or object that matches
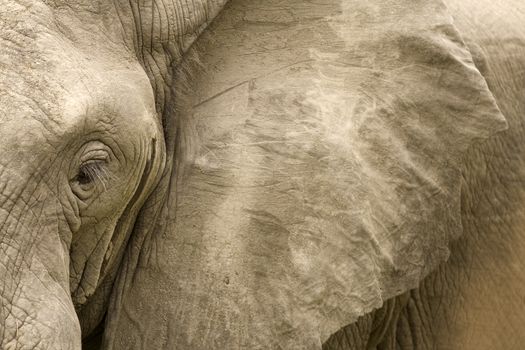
(261, 174)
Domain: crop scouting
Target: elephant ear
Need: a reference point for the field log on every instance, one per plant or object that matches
(323, 176)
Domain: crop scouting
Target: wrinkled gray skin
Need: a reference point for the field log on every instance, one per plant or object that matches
(94, 120)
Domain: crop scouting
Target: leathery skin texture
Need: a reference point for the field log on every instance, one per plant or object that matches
(78, 139)
(313, 156)
(318, 175)
(476, 299)
(79, 74)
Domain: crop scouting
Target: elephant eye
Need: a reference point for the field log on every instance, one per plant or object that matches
(91, 172)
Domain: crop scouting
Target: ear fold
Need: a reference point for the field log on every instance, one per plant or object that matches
(326, 177)
(161, 33)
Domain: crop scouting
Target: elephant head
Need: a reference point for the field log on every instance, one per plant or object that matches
(299, 166)
(83, 145)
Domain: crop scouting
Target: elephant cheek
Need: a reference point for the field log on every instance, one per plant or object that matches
(36, 311)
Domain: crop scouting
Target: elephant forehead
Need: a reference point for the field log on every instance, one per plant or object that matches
(53, 85)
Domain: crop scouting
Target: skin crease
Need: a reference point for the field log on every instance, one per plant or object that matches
(104, 80)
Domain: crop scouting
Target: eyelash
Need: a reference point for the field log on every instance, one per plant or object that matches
(92, 172)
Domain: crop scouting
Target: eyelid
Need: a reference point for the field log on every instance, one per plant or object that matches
(94, 163)
(94, 156)
(91, 162)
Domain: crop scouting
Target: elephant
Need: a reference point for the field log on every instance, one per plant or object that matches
(212, 174)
